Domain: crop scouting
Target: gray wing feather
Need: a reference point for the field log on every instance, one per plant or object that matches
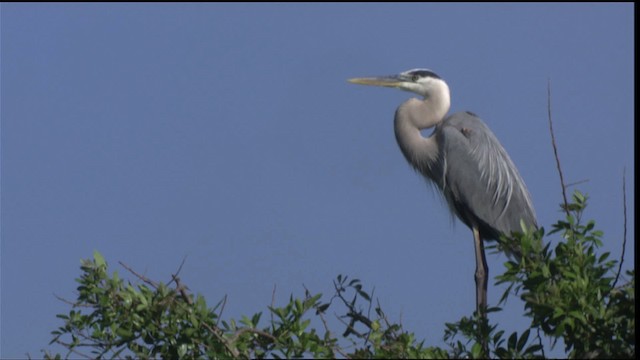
(480, 182)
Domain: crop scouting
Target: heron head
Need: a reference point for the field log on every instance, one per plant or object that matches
(420, 81)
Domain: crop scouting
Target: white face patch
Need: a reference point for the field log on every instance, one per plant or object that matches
(424, 86)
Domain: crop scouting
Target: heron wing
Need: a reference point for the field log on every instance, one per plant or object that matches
(481, 183)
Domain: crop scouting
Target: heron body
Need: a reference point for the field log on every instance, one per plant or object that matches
(476, 176)
(463, 159)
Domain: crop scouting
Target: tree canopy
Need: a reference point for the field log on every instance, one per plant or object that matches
(570, 293)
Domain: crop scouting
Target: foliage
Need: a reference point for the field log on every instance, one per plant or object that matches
(569, 293)
(156, 320)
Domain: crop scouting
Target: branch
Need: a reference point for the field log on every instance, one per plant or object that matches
(224, 302)
(239, 333)
(540, 343)
(182, 289)
(72, 349)
(384, 316)
(141, 277)
(330, 335)
(355, 316)
(369, 315)
(179, 269)
(577, 183)
(624, 234)
(273, 301)
(68, 302)
(324, 323)
(218, 334)
(350, 326)
(555, 149)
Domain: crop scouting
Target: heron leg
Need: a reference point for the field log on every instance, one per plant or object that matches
(481, 276)
(482, 272)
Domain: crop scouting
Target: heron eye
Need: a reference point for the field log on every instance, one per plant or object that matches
(415, 78)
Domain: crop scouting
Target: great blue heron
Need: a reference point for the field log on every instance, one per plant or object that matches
(463, 159)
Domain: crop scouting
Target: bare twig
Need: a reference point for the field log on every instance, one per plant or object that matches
(555, 149)
(69, 302)
(382, 314)
(73, 350)
(326, 327)
(220, 336)
(239, 333)
(624, 233)
(540, 343)
(350, 327)
(577, 183)
(355, 315)
(224, 302)
(373, 291)
(179, 269)
(182, 289)
(273, 301)
(141, 277)
(369, 314)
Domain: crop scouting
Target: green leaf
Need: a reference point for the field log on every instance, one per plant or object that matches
(322, 308)
(476, 351)
(364, 295)
(99, 260)
(578, 315)
(313, 300)
(256, 319)
(523, 340)
(124, 333)
(305, 324)
(603, 257)
(182, 350)
(513, 340)
(246, 321)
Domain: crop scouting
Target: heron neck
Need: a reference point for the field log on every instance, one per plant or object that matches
(411, 117)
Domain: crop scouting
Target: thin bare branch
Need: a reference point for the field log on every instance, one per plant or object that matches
(329, 334)
(220, 336)
(350, 326)
(184, 259)
(239, 333)
(224, 302)
(555, 150)
(273, 301)
(324, 323)
(382, 314)
(182, 289)
(369, 314)
(577, 183)
(624, 233)
(139, 276)
(73, 350)
(68, 302)
(540, 343)
(373, 291)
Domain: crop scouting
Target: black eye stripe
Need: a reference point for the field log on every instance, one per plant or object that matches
(416, 74)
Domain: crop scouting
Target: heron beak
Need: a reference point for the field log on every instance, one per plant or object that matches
(387, 81)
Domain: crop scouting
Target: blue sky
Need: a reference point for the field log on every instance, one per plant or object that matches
(228, 134)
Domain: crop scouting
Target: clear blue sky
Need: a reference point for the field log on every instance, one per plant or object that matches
(228, 134)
